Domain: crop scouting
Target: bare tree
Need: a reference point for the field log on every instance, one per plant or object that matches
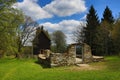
(78, 34)
(25, 32)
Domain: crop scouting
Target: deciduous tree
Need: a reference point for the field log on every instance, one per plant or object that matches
(59, 41)
(25, 33)
(10, 19)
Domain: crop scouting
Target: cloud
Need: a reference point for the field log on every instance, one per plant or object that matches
(65, 7)
(56, 7)
(32, 9)
(67, 26)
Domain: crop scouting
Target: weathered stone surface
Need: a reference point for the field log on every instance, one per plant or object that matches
(58, 59)
(87, 55)
(63, 59)
(98, 58)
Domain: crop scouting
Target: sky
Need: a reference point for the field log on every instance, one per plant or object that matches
(64, 15)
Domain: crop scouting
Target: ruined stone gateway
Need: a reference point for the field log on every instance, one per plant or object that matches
(51, 59)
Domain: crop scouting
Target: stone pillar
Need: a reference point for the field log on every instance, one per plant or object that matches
(86, 53)
(71, 54)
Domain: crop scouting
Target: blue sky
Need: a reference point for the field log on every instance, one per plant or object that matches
(64, 15)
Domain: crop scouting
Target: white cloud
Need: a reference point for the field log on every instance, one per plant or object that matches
(65, 7)
(67, 26)
(56, 7)
(31, 8)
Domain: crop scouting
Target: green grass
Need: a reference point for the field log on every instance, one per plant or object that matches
(27, 69)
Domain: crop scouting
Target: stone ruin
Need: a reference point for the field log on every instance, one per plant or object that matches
(87, 54)
(50, 59)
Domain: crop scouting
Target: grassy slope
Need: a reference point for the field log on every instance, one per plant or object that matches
(13, 69)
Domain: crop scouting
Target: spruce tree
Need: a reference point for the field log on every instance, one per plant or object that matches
(109, 20)
(107, 15)
(91, 29)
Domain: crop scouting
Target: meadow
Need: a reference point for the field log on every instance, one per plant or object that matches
(28, 69)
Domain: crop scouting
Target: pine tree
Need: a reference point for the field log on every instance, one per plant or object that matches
(107, 15)
(90, 30)
(109, 20)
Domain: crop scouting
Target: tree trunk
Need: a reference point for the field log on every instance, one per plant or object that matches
(19, 52)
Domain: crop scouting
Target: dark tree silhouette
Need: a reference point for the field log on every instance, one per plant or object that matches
(107, 15)
(90, 29)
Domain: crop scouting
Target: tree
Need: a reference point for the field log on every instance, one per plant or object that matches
(10, 18)
(107, 22)
(90, 29)
(41, 40)
(102, 38)
(78, 34)
(25, 33)
(6, 12)
(107, 15)
(59, 42)
(116, 36)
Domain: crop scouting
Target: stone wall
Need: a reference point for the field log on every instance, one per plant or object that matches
(51, 59)
(62, 59)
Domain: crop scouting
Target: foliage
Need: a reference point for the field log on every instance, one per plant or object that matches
(107, 15)
(41, 40)
(27, 52)
(27, 69)
(10, 19)
(116, 35)
(59, 42)
(103, 35)
(107, 24)
(90, 29)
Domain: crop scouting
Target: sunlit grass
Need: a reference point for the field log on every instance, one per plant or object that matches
(27, 69)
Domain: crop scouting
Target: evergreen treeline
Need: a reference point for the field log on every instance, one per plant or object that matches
(103, 36)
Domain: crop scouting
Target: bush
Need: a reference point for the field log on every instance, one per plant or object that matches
(27, 52)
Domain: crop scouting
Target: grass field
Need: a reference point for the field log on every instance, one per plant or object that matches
(27, 69)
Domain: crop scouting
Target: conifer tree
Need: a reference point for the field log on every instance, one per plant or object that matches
(107, 15)
(109, 20)
(91, 29)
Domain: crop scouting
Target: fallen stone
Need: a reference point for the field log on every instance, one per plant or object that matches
(98, 58)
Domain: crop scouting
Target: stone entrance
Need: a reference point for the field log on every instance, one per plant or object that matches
(85, 55)
(67, 58)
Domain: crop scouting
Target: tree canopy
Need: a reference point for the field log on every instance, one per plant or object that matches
(59, 41)
(10, 19)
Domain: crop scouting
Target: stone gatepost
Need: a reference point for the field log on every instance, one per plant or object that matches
(86, 54)
(71, 54)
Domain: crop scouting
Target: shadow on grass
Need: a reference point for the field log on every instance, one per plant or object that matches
(43, 63)
(113, 63)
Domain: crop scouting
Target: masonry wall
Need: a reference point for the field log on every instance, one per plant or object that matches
(62, 59)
